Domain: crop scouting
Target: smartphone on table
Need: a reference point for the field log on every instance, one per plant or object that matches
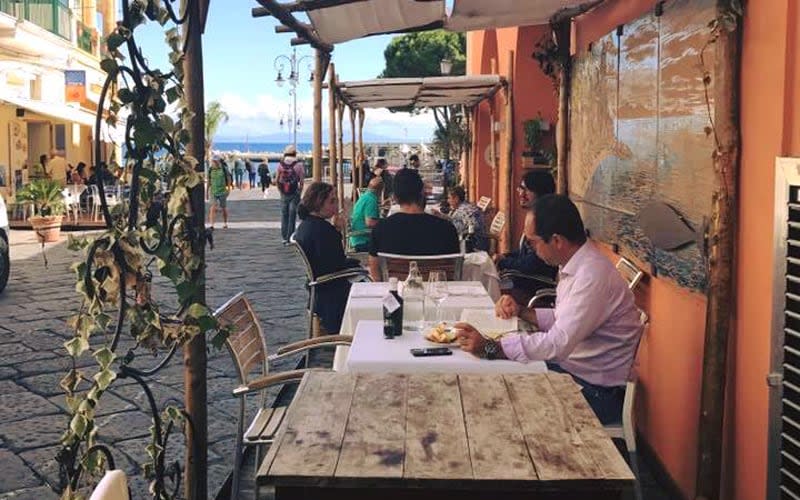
(431, 351)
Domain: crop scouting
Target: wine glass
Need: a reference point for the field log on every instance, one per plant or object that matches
(437, 290)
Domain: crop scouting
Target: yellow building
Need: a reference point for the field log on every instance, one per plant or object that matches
(50, 82)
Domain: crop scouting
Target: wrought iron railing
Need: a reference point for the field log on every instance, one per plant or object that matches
(52, 15)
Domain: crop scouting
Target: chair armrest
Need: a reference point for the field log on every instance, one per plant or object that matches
(315, 343)
(513, 273)
(540, 295)
(273, 379)
(344, 273)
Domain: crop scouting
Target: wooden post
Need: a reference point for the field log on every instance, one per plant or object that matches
(466, 167)
(474, 155)
(508, 188)
(332, 122)
(721, 266)
(354, 165)
(492, 143)
(340, 149)
(562, 31)
(194, 353)
(362, 152)
(317, 146)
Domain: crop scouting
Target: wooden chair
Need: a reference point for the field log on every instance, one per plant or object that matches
(396, 266)
(483, 203)
(352, 274)
(249, 352)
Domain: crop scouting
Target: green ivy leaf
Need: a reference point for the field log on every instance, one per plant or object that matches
(76, 346)
(78, 425)
(110, 66)
(104, 357)
(126, 96)
(104, 378)
(207, 323)
(70, 381)
(114, 41)
(173, 94)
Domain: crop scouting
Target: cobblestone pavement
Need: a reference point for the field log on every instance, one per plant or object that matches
(248, 256)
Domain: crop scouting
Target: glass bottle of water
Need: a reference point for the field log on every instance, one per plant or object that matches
(413, 299)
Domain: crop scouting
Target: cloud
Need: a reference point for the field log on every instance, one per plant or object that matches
(261, 115)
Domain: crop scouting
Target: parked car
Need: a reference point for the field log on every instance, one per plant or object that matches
(5, 258)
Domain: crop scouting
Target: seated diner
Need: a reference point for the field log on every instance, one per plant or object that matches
(322, 244)
(592, 333)
(410, 231)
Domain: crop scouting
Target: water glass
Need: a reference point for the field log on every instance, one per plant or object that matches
(437, 290)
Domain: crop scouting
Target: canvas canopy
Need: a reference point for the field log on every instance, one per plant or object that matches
(420, 92)
(339, 21)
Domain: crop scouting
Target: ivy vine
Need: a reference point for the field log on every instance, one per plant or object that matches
(152, 227)
(547, 54)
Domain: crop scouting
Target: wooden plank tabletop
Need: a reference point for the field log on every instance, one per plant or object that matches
(390, 430)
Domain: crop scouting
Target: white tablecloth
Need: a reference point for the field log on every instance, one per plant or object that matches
(478, 266)
(364, 302)
(372, 353)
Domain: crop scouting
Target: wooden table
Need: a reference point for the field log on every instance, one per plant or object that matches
(392, 436)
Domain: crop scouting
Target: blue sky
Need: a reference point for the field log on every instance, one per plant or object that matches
(239, 52)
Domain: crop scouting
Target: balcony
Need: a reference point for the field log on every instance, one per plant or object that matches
(52, 15)
(87, 38)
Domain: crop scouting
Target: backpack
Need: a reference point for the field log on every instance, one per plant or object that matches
(287, 179)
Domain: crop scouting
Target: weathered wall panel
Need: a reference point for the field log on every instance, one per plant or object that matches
(650, 145)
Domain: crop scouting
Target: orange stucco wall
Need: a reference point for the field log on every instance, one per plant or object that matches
(532, 94)
(671, 359)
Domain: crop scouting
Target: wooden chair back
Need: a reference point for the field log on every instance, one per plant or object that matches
(632, 274)
(483, 203)
(396, 266)
(246, 340)
(497, 224)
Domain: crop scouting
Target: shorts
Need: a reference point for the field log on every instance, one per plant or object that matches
(222, 199)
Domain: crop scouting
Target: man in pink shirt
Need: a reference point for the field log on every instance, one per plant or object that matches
(592, 332)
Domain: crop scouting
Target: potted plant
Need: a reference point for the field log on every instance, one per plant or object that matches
(534, 132)
(48, 207)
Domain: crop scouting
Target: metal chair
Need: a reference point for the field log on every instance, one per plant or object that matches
(353, 274)
(396, 266)
(495, 230)
(630, 273)
(249, 352)
(483, 203)
(626, 429)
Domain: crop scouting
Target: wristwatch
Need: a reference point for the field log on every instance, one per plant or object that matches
(491, 350)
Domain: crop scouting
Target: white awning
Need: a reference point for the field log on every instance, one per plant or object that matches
(469, 15)
(58, 110)
(420, 92)
(349, 20)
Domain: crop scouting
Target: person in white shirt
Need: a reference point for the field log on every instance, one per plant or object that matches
(594, 329)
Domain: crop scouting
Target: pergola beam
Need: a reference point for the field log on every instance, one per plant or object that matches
(280, 12)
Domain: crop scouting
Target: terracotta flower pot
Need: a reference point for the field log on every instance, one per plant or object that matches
(47, 228)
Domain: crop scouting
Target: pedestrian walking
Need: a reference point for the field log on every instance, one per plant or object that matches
(266, 179)
(251, 173)
(219, 182)
(238, 172)
(289, 179)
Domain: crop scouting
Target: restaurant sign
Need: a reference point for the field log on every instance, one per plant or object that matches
(75, 85)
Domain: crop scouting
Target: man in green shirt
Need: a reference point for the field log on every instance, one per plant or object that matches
(218, 184)
(366, 213)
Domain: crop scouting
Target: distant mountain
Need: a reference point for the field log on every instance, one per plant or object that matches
(301, 137)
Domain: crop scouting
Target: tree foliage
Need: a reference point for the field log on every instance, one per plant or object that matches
(419, 54)
(215, 116)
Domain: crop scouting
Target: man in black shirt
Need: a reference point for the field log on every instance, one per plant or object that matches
(411, 231)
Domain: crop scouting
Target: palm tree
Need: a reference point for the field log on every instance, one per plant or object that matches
(215, 116)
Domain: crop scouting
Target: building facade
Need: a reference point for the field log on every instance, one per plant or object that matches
(50, 83)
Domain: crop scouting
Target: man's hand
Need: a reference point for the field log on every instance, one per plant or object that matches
(469, 339)
(507, 307)
(497, 257)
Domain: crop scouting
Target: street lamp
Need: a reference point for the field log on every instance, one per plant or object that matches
(445, 66)
(294, 77)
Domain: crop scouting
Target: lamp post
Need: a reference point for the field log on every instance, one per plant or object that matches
(293, 79)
